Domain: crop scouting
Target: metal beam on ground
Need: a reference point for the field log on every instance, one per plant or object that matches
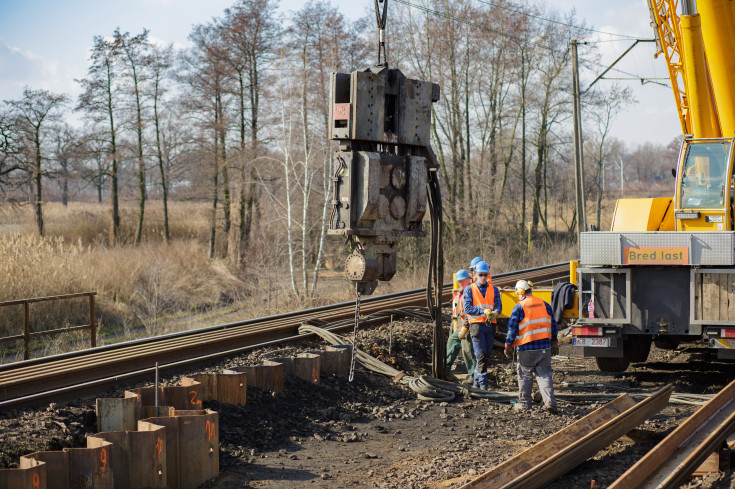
(678, 455)
(568, 448)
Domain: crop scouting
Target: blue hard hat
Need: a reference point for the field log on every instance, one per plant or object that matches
(475, 261)
(482, 268)
(462, 274)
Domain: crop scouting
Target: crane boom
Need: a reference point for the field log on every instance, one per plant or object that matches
(667, 31)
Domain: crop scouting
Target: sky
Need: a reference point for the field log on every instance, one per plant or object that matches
(45, 43)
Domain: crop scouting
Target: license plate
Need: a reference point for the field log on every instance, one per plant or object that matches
(591, 342)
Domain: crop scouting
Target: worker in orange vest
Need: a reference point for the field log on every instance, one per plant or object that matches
(459, 341)
(532, 331)
(482, 305)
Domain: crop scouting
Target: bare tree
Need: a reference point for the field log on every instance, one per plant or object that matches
(99, 99)
(135, 51)
(205, 71)
(603, 114)
(161, 60)
(252, 31)
(34, 110)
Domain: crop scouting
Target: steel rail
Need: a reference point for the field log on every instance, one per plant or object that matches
(31, 379)
(561, 452)
(677, 456)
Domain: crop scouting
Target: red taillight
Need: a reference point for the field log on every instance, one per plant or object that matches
(728, 333)
(588, 331)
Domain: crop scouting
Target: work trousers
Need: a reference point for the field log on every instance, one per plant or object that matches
(482, 343)
(455, 345)
(537, 362)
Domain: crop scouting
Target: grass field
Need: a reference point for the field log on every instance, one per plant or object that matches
(155, 288)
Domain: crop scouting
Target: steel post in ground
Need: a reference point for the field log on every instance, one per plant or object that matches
(26, 330)
(92, 323)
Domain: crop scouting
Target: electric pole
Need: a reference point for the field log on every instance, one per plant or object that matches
(578, 144)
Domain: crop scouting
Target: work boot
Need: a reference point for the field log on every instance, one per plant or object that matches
(520, 407)
(552, 409)
(485, 387)
(468, 381)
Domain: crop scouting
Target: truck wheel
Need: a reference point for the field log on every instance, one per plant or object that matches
(610, 364)
(637, 348)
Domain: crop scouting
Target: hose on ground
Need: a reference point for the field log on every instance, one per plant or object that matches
(436, 390)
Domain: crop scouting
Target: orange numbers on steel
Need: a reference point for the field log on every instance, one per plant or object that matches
(194, 402)
(36, 481)
(159, 447)
(209, 430)
(103, 459)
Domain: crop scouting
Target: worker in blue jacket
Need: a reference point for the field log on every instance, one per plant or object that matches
(483, 305)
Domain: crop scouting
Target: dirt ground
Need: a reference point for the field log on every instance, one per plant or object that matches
(373, 433)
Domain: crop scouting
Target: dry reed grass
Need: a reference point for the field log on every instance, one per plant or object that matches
(89, 223)
(135, 285)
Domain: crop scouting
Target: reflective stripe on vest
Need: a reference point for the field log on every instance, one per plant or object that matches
(458, 307)
(536, 324)
(487, 302)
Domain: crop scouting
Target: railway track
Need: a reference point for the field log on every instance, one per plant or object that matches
(68, 375)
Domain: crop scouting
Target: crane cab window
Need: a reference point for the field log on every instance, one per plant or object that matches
(704, 179)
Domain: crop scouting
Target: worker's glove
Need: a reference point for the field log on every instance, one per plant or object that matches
(554, 348)
(463, 332)
(490, 316)
(508, 351)
(455, 317)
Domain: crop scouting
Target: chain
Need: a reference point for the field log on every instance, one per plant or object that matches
(354, 335)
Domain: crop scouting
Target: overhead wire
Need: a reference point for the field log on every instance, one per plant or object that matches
(447, 15)
(558, 22)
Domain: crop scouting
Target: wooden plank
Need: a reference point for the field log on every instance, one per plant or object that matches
(723, 280)
(697, 296)
(731, 298)
(710, 298)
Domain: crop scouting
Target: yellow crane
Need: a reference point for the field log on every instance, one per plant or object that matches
(665, 272)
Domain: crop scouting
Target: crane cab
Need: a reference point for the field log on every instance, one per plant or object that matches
(705, 185)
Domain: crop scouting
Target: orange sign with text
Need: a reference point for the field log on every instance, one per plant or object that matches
(656, 256)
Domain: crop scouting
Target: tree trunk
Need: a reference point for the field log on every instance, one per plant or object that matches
(113, 171)
(65, 182)
(215, 191)
(39, 186)
(226, 202)
(141, 161)
(161, 166)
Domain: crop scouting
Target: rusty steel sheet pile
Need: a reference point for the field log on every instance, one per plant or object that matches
(568, 448)
(172, 445)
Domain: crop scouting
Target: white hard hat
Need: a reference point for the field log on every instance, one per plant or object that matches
(523, 285)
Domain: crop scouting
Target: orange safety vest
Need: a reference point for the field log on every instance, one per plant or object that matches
(458, 309)
(487, 302)
(536, 324)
